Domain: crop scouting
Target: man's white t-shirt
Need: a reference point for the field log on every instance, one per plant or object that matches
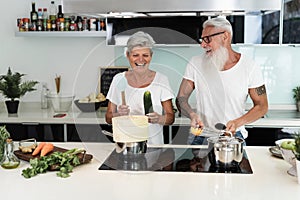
(221, 95)
(160, 91)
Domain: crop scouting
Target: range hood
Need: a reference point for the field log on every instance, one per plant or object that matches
(226, 7)
(182, 18)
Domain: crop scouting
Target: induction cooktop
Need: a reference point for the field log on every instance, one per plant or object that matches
(174, 160)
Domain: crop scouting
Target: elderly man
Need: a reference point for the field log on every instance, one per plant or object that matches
(222, 79)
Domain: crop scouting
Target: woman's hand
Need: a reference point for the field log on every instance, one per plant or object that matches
(155, 118)
(123, 110)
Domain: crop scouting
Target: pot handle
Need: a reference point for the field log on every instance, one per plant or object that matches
(120, 147)
(227, 133)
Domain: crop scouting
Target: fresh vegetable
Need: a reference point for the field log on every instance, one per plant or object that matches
(38, 149)
(27, 149)
(196, 131)
(4, 134)
(47, 148)
(62, 161)
(148, 102)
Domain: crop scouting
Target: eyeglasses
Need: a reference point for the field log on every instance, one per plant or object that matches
(207, 39)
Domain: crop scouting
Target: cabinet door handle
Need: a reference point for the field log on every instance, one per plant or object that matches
(30, 123)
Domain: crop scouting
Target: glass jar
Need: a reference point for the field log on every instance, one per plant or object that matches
(9, 160)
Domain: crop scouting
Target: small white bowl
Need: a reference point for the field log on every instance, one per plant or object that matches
(288, 156)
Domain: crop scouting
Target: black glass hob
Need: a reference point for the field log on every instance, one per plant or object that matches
(174, 160)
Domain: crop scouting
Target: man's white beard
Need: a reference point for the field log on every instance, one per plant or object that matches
(217, 59)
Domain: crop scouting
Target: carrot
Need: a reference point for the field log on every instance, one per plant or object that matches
(38, 149)
(47, 149)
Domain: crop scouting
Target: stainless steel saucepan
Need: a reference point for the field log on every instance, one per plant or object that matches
(225, 150)
(128, 147)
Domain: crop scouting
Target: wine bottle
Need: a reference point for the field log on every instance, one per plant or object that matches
(33, 13)
(60, 14)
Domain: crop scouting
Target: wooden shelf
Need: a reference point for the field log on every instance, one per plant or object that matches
(61, 34)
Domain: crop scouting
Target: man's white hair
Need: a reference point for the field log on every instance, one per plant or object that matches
(220, 23)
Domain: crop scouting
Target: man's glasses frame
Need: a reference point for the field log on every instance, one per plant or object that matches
(207, 39)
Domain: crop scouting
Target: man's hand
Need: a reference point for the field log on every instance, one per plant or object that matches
(231, 126)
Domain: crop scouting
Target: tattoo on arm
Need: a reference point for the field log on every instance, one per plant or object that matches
(183, 106)
(261, 90)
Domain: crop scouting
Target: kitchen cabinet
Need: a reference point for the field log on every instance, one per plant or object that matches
(88, 133)
(57, 132)
(41, 132)
(262, 136)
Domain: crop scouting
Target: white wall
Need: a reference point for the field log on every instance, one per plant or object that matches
(77, 60)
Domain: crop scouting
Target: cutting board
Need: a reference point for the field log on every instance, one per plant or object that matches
(83, 157)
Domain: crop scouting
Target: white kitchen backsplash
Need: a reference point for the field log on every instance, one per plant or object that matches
(280, 66)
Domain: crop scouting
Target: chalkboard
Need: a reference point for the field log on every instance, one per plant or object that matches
(106, 76)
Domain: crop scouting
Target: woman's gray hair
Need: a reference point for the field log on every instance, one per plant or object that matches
(140, 39)
(218, 22)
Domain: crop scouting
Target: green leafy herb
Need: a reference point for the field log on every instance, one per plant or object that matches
(297, 145)
(62, 161)
(4, 134)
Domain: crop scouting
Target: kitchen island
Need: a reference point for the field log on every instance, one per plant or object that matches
(89, 125)
(268, 181)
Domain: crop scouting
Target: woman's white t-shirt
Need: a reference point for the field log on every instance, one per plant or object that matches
(160, 91)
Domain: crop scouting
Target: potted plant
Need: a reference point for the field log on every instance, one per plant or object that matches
(296, 96)
(12, 88)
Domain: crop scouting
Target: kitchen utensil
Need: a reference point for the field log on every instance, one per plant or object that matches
(220, 126)
(121, 84)
(57, 83)
(123, 98)
(208, 132)
(225, 150)
(128, 147)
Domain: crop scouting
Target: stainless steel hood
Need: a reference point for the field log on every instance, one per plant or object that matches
(157, 6)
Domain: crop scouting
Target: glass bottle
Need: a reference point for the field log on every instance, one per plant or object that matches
(52, 11)
(45, 20)
(39, 25)
(60, 14)
(9, 161)
(44, 93)
(33, 13)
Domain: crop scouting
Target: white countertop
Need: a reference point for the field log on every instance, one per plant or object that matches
(30, 112)
(268, 181)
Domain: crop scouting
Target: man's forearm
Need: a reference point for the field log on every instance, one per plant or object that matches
(183, 106)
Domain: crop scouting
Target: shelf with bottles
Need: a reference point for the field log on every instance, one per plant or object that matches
(61, 34)
(57, 24)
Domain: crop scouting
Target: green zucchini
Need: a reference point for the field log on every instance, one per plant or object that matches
(148, 102)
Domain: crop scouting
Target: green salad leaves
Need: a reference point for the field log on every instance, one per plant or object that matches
(61, 161)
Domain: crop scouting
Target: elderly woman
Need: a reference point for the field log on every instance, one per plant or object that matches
(135, 82)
